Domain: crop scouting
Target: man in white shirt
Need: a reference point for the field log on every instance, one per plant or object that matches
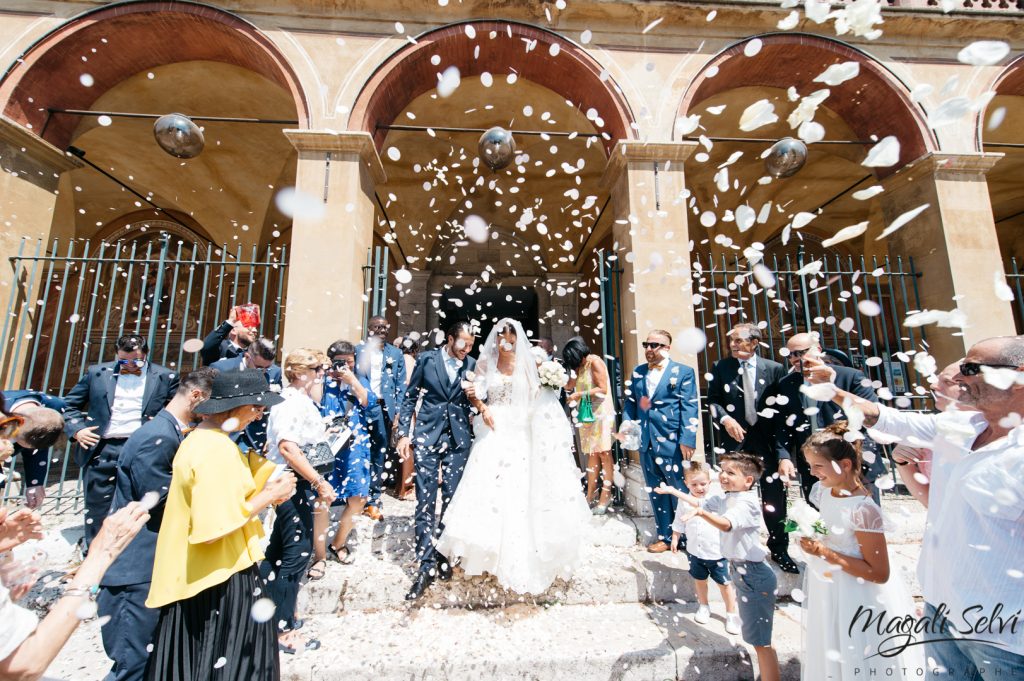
(109, 403)
(973, 547)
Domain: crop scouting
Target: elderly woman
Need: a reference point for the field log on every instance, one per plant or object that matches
(295, 424)
(588, 382)
(205, 575)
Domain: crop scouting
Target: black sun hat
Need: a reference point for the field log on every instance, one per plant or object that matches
(233, 389)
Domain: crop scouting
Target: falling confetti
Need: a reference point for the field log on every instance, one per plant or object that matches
(884, 154)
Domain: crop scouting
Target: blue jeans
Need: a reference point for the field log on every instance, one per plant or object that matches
(968, 660)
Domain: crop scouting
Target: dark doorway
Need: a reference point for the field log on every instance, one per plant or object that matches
(490, 304)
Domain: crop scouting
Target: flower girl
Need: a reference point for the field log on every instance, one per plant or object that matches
(852, 596)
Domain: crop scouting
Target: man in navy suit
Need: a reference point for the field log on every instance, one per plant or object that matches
(109, 403)
(227, 341)
(442, 441)
(44, 423)
(144, 467)
(662, 398)
(793, 425)
(259, 355)
(740, 400)
(383, 367)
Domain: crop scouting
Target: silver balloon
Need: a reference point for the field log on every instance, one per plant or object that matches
(786, 157)
(496, 148)
(179, 136)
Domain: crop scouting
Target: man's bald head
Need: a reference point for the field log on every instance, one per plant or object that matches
(801, 345)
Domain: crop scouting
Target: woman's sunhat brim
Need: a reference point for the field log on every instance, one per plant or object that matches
(217, 405)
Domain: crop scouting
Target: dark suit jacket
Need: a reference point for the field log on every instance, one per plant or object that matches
(444, 402)
(671, 419)
(792, 427)
(33, 460)
(90, 401)
(392, 376)
(255, 434)
(144, 466)
(216, 346)
(726, 398)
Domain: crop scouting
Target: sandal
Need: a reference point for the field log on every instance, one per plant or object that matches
(345, 559)
(317, 570)
(311, 644)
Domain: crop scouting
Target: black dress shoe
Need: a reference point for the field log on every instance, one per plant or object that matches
(785, 563)
(444, 570)
(419, 585)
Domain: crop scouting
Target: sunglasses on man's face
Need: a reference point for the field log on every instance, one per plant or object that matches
(131, 363)
(799, 353)
(974, 368)
(653, 346)
(9, 426)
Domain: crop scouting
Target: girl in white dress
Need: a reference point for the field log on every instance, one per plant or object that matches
(519, 513)
(852, 582)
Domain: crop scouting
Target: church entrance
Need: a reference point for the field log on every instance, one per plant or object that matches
(490, 304)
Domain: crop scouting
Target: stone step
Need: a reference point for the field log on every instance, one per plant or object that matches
(615, 568)
(528, 642)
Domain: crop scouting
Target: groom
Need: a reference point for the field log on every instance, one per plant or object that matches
(442, 440)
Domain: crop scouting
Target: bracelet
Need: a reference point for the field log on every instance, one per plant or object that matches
(89, 591)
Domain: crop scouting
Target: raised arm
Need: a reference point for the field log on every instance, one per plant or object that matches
(210, 352)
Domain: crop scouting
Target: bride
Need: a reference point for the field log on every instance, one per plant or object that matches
(518, 512)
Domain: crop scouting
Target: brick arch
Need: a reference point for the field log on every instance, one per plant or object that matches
(129, 38)
(873, 103)
(503, 46)
(1010, 81)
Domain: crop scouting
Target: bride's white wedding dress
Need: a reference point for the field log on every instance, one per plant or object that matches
(519, 512)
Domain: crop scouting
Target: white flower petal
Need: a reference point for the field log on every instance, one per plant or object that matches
(902, 220)
(839, 73)
(884, 154)
(984, 53)
(846, 233)
(758, 114)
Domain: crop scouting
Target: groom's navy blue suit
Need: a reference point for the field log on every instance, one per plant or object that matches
(441, 440)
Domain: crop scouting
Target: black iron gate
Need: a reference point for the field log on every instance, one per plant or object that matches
(854, 305)
(70, 302)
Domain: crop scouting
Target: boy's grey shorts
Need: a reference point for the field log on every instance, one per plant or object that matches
(755, 595)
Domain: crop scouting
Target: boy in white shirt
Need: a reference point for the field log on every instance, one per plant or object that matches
(704, 544)
(740, 525)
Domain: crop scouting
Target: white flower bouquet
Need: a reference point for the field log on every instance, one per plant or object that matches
(803, 520)
(552, 375)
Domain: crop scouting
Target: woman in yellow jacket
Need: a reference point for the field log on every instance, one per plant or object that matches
(205, 576)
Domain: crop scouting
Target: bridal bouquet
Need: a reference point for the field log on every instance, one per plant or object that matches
(552, 375)
(803, 520)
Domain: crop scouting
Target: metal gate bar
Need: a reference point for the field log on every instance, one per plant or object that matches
(69, 303)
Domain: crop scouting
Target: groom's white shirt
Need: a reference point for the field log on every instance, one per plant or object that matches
(451, 364)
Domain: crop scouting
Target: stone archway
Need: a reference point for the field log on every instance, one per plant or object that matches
(532, 53)
(131, 37)
(873, 103)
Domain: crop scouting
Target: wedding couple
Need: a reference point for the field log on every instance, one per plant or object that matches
(511, 502)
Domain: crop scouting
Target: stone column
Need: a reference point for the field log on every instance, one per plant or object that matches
(953, 244)
(414, 303)
(563, 292)
(647, 185)
(332, 229)
(32, 170)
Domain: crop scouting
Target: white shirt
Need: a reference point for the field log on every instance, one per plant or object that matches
(654, 377)
(16, 624)
(376, 364)
(297, 420)
(974, 537)
(451, 364)
(126, 413)
(703, 539)
(743, 541)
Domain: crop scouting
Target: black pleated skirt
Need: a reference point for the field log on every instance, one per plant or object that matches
(213, 637)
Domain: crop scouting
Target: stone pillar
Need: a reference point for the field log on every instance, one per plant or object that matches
(559, 319)
(32, 169)
(647, 185)
(414, 302)
(953, 244)
(332, 230)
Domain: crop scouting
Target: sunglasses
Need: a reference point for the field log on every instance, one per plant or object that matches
(131, 362)
(653, 346)
(799, 353)
(974, 368)
(9, 426)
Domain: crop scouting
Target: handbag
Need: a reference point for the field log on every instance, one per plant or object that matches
(585, 412)
(321, 454)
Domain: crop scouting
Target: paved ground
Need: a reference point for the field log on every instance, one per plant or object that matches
(626, 614)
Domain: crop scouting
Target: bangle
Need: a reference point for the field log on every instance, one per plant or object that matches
(89, 591)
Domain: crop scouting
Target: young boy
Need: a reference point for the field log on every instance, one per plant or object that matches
(741, 545)
(704, 545)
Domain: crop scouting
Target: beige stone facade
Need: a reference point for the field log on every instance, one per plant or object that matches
(352, 116)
